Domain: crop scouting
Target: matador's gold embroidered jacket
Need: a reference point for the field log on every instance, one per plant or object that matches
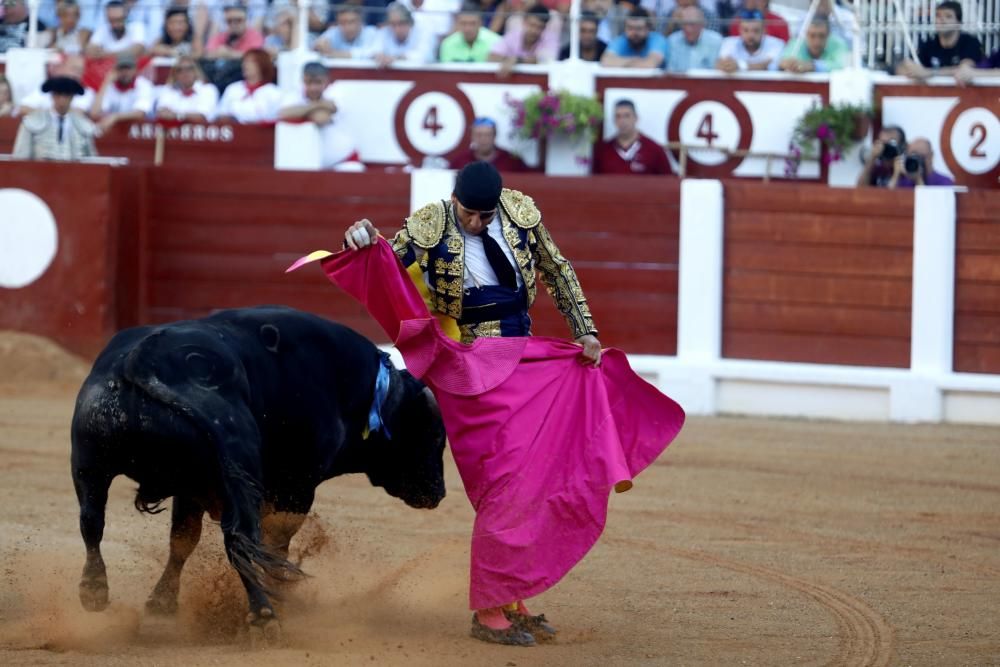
(432, 238)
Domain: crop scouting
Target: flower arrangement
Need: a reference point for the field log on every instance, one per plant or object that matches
(836, 127)
(544, 114)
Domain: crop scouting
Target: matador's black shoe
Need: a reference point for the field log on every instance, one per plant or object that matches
(537, 626)
(512, 636)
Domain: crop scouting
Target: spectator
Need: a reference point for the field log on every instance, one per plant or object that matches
(255, 99)
(283, 34)
(674, 21)
(401, 40)
(146, 15)
(238, 38)
(7, 106)
(818, 52)
(692, 47)
(613, 14)
(117, 35)
(350, 38)
(124, 96)
(14, 25)
(319, 10)
(527, 40)
(471, 42)
(71, 67)
(629, 151)
(890, 144)
(187, 96)
(944, 53)
(316, 102)
(774, 25)
(433, 18)
(916, 167)
(67, 37)
(488, 12)
(988, 68)
(591, 48)
(484, 149)
(638, 47)
(843, 22)
(212, 13)
(177, 36)
(372, 11)
(752, 50)
(55, 133)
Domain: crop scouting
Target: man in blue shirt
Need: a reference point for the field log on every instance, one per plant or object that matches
(693, 47)
(638, 47)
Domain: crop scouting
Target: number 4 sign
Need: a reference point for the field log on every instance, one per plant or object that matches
(433, 122)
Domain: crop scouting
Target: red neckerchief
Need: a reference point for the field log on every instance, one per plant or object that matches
(187, 93)
(252, 88)
(124, 88)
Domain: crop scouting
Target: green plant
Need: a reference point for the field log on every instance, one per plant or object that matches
(833, 127)
(546, 113)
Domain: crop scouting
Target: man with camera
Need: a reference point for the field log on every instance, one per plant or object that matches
(916, 167)
(890, 144)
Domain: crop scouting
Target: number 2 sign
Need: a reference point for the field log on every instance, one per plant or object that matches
(970, 144)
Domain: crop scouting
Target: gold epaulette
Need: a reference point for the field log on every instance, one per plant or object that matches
(521, 208)
(426, 225)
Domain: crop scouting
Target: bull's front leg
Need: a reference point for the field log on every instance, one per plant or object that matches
(92, 494)
(185, 531)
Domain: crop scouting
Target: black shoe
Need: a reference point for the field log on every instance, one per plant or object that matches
(512, 636)
(536, 626)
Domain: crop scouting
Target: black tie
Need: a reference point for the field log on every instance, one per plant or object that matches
(61, 120)
(499, 262)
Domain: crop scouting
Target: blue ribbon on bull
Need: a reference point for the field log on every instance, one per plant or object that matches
(375, 422)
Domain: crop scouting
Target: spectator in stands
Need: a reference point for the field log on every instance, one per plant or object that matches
(124, 95)
(629, 151)
(890, 144)
(55, 133)
(66, 37)
(774, 25)
(117, 35)
(316, 102)
(638, 47)
(177, 37)
(484, 148)
(210, 16)
(14, 25)
(471, 42)
(71, 67)
(401, 40)
(612, 14)
(146, 15)
(282, 31)
(255, 99)
(752, 50)
(674, 22)
(526, 40)
(988, 68)
(692, 47)
(238, 38)
(818, 52)
(843, 22)
(319, 10)
(948, 50)
(433, 18)
(187, 96)
(7, 106)
(591, 48)
(350, 38)
(916, 167)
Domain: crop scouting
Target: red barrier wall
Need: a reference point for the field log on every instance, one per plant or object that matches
(814, 274)
(977, 283)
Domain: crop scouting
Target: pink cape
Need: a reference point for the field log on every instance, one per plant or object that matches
(539, 438)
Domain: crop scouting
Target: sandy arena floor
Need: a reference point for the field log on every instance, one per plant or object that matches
(751, 542)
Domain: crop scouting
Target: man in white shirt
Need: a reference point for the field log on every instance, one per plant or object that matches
(434, 18)
(187, 98)
(124, 96)
(752, 50)
(117, 35)
(315, 102)
(400, 39)
(71, 67)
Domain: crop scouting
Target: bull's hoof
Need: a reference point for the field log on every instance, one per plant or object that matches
(264, 629)
(161, 605)
(94, 594)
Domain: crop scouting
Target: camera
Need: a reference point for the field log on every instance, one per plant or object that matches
(913, 164)
(891, 150)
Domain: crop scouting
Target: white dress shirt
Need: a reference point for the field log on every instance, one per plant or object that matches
(478, 272)
(770, 49)
(259, 107)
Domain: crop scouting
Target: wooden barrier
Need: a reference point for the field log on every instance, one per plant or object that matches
(819, 275)
(977, 283)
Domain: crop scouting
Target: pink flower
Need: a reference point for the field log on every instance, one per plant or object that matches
(823, 131)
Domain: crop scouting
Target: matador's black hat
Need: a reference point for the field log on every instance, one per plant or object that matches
(478, 186)
(62, 85)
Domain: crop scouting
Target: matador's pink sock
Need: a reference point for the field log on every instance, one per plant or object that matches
(493, 618)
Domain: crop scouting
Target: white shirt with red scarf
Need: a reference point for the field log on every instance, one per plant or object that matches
(202, 99)
(138, 96)
(259, 104)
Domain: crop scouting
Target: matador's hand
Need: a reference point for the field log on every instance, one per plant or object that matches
(360, 235)
(591, 348)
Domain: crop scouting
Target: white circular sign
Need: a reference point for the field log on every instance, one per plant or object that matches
(28, 238)
(975, 140)
(434, 123)
(712, 125)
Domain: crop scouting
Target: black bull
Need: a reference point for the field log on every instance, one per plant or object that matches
(242, 415)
